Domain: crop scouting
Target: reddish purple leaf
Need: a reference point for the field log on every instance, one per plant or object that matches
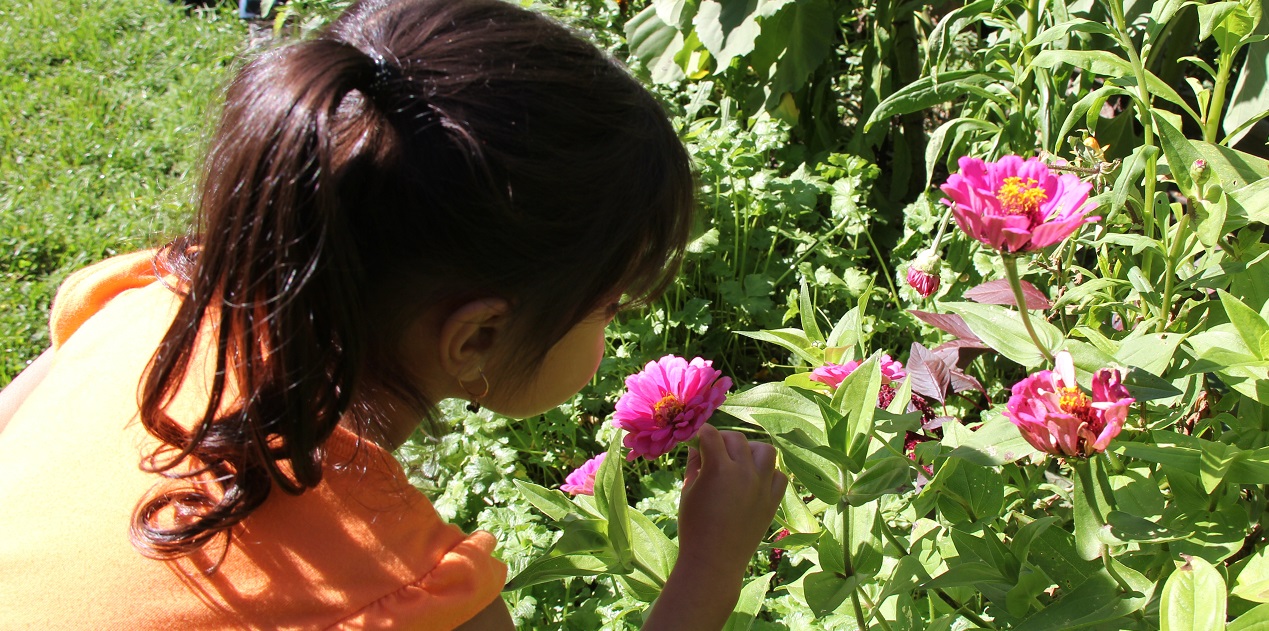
(948, 323)
(929, 374)
(998, 292)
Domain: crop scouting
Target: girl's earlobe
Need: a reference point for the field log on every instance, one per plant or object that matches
(468, 335)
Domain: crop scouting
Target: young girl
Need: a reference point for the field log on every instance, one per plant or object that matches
(433, 199)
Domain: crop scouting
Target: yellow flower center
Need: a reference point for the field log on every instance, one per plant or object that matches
(666, 410)
(1021, 198)
(1073, 401)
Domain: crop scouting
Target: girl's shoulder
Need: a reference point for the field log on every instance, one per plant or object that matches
(86, 291)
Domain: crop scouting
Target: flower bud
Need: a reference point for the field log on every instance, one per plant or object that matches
(923, 273)
(1199, 172)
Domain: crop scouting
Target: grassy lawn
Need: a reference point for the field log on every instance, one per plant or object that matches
(104, 106)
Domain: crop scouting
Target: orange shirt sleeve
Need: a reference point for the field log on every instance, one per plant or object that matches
(86, 291)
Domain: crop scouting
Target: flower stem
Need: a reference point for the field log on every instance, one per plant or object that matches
(1169, 275)
(1011, 271)
(1146, 114)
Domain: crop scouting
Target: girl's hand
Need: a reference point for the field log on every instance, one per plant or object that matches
(730, 494)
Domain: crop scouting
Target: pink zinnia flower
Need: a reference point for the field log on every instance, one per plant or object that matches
(833, 375)
(667, 402)
(923, 273)
(1056, 417)
(1016, 205)
(582, 480)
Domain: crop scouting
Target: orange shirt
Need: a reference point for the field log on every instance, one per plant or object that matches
(363, 549)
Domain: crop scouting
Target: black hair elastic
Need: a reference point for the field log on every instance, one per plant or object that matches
(386, 73)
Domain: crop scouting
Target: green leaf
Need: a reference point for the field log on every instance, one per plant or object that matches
(856, 399)
(1253, 581)
(1108, 64)
(749, 603)
(971, 493)
(806, 309)
(553, 568)
(552, 502)
(1212, 15)
(863, 527)
(1124, 528)
(728, 29)
(781, 408)
(1091, 503)
(1130, 174)
(1151, 352)
(1002, 329)
(880, 478)
(798, 39)
(926, 92)
(844, 334)
(1250, 326)
(1249, 204)
(995, 442)
(656, 44)
(1193, 598)
(818, 474)
(794, 514)
(1236, 169)
(1180, 153)
(941, 38)
(1255, 620)
(934, 149)
(793, 340)
(966, 575)
(826, 591)
(655, 551)
(1097, 600)
(610, 497)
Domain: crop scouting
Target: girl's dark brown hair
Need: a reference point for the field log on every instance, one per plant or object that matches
(419, 151)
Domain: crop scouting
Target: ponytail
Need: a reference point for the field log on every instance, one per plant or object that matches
(273, 296)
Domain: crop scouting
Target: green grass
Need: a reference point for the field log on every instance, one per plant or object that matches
(104, 106)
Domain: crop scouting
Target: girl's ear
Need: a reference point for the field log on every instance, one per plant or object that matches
(468, 336)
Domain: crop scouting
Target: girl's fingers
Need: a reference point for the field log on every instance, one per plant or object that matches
(778, 482)
(764, 457)
(738, 447)
(711, 444)
(693, 466)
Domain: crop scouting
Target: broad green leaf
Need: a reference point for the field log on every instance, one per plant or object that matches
(676, 12)
(926, 92)
(1091, 503)
(1193, 598)
(656, 44)
(1250, 326)
(940, 39)
(1151, 352)
(966, 575)
(863, 527)
(582, 535)
(1253, 581)
(795, 515)
(1249, 204)
(553, 568)
(879, 478)
(1124, 528)
(1097, 600)
(818, 474)
(749, 603)
(552, 502)
(971, 493)
(781, 407)
(610, 497)
(1230, 31)
(1020, 546)
(792, 340)
(826, 591)
(1255, 620)
(1002, 329)
(844, 334)
(1236, 169)
(1059, 31)
(934, 149)
(1053, 550)
(995, 442)
(655, 551)
(1212, 15)
(798, 38)
(728, 29)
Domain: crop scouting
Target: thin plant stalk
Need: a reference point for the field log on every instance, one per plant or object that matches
(1015, 282)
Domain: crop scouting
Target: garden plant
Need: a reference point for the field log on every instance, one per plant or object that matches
(992, 276)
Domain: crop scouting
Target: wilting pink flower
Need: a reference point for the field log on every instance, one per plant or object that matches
(1016, 205)
(923, 273)
(667, 402)
(582, 480)
(1056, 417)
(833, 375)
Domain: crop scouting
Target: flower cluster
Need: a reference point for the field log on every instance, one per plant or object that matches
(667, 402)
(582, 481)
(1016, 205)
(1057, 417)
